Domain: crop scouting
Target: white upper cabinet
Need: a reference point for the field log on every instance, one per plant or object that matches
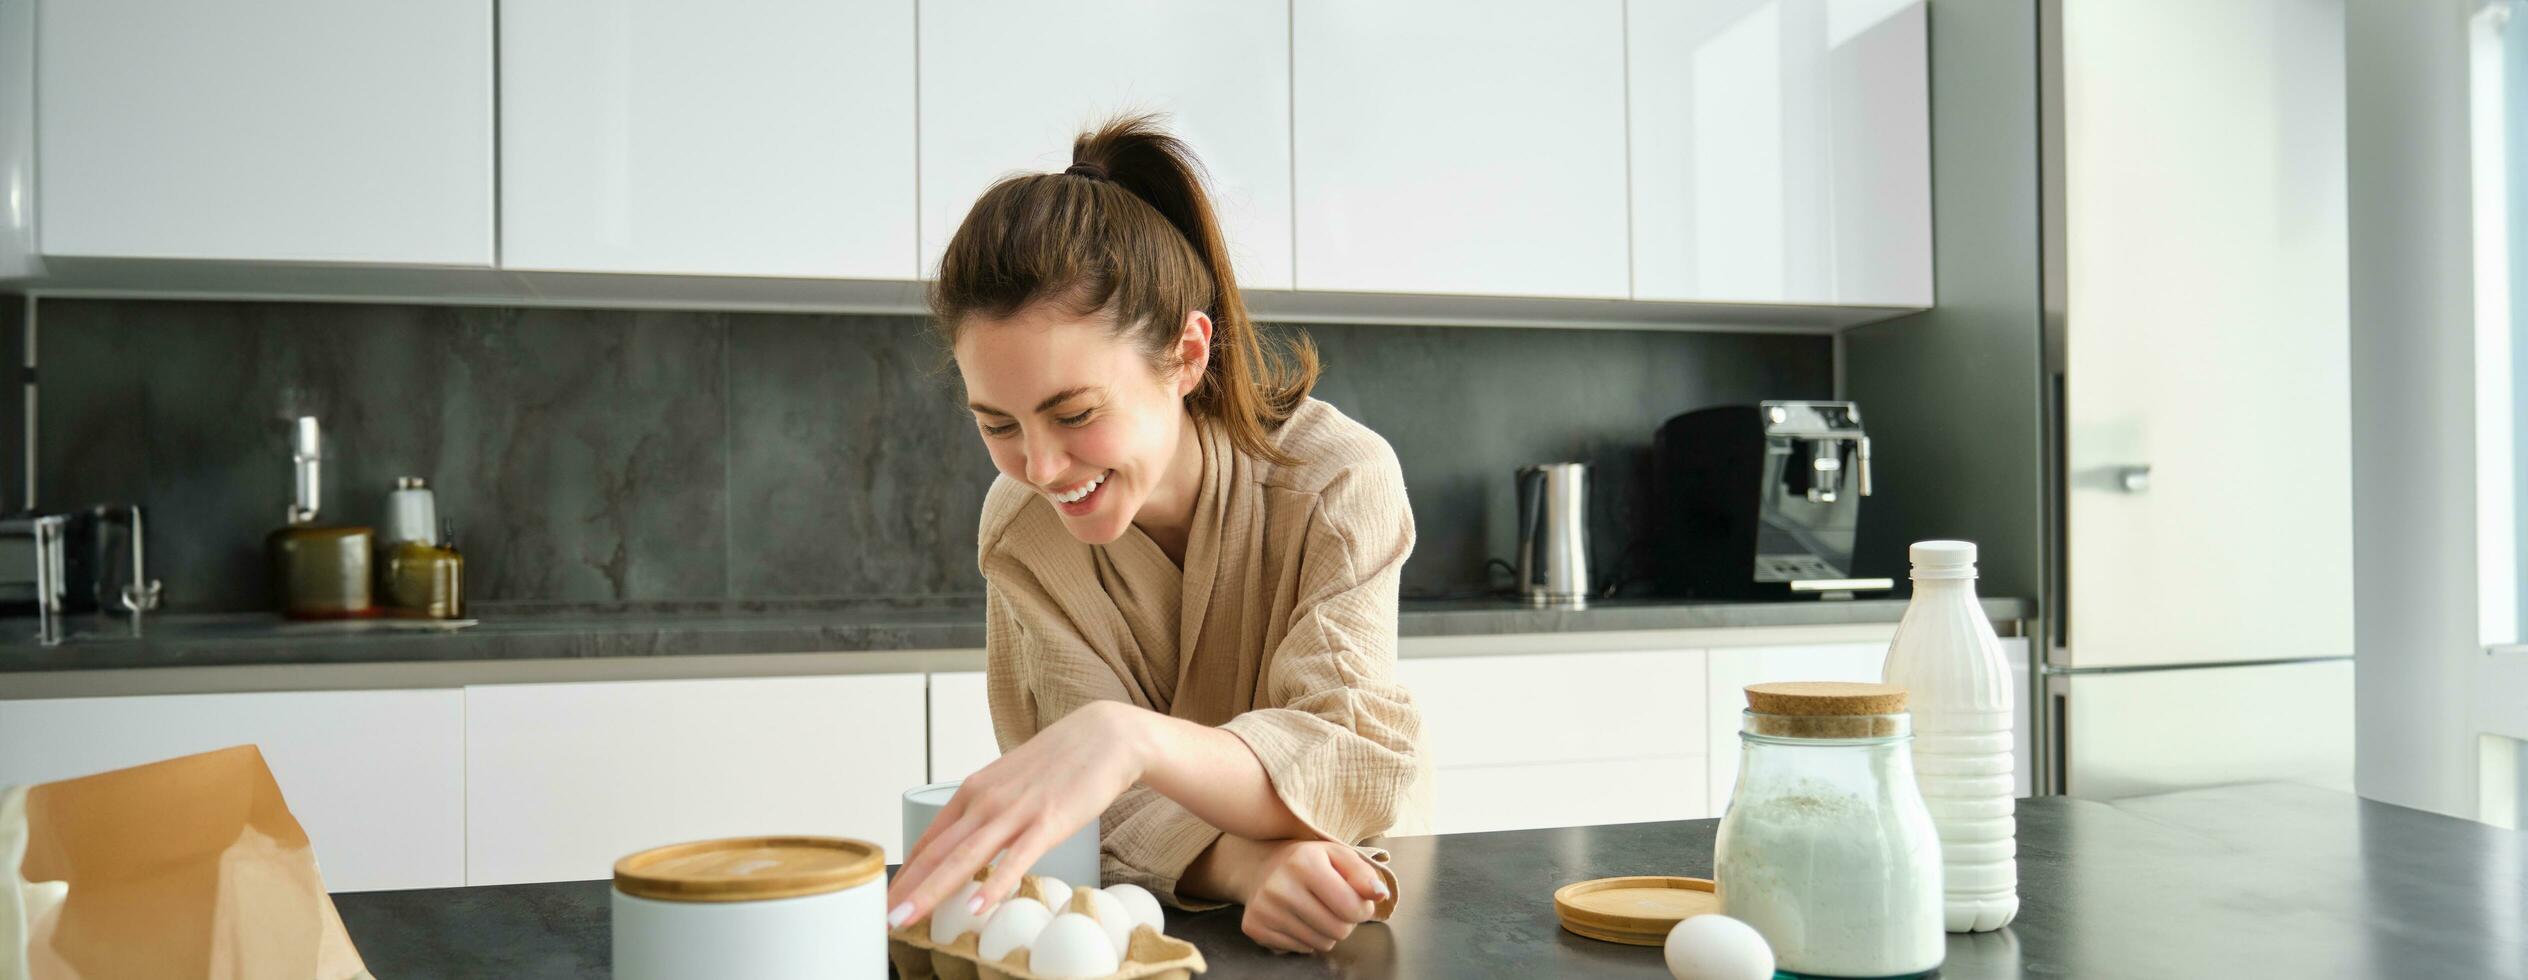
(1006, 85)
(1771, 152)
(1444, 146)
(354, 131)
(1780, 152)
(771, 137)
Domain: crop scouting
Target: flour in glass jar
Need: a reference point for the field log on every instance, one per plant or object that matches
(1835, 888)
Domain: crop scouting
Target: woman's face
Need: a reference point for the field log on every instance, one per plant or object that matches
(1076, 413)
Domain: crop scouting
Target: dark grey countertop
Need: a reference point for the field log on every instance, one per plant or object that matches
(2247, 881)
(562, 632)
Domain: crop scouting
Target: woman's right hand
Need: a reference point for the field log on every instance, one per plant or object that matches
(1305, 896)
(1019, 807)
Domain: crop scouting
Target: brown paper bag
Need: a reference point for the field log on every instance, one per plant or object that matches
(192, 867)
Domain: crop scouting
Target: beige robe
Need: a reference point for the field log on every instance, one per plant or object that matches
(1280, 628)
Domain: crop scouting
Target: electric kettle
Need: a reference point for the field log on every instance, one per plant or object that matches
(1553, 565)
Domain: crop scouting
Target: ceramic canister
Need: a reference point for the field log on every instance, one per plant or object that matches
(767, 908)
(1075, 860)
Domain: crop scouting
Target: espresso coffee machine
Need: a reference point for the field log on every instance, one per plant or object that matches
(1763, 500)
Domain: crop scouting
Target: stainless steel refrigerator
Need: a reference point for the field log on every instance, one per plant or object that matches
(2199, 578)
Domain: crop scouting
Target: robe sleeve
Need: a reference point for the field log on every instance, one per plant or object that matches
(1038, 672)
(1340, 742)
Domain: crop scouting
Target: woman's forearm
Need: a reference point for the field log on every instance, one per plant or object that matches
(1214, 776)
(1225, 871)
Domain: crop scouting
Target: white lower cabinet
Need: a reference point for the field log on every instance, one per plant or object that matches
(1561, 739)
(375, 778)
(1556, 707)
(565, 778)
(961, 739)
(506, 783)
(1480, 799)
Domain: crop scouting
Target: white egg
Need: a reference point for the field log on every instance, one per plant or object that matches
(1717, 947)
(1072, 946)
(1113, 916)
(1013, 926)
(951, 920)
(1143, 905)
(1057, 894)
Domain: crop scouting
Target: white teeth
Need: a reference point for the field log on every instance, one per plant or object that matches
(1085, 489)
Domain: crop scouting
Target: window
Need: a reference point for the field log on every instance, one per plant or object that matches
(2498, 104)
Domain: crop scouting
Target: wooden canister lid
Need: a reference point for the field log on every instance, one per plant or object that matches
(749, 869)
(1637, 910)
(1826, 709)
(1815, 699)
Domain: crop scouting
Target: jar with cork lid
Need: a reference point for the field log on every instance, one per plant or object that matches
(1828, 850)
(421, 574)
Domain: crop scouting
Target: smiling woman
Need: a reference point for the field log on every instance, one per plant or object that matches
(1192, 567)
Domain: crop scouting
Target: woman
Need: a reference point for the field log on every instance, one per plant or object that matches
(1191, 567)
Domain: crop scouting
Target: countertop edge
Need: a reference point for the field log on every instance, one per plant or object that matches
(659, 647)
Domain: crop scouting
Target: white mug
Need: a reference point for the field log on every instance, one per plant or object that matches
(1075, 860)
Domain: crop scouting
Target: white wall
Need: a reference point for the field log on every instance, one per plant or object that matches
(2413, 383)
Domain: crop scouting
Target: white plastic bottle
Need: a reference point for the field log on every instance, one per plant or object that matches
(1950, 664)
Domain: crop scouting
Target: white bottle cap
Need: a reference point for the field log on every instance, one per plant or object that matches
(412, 514)
(1943, 559)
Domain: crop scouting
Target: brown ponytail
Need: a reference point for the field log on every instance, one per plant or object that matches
(1127, 234)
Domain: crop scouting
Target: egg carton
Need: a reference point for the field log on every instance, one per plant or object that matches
(1150, 955)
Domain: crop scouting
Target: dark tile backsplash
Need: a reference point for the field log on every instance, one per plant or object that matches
(1466, 407)
(854, 467)
(636, 456)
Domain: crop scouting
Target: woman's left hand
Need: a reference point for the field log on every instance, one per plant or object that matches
(1024, 803)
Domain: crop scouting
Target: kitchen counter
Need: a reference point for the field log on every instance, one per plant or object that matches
(2262, 880)
(563, 633)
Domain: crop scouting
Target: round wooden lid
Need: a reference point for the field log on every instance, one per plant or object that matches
(1819, 699)
(749, 869)
(1636, 911)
